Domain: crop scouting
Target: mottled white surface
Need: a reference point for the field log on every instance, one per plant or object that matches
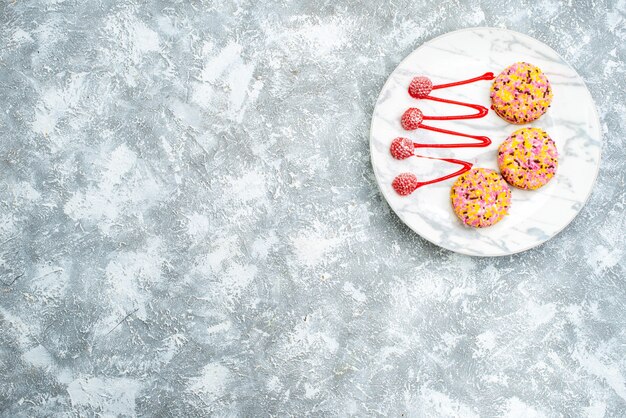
(190, 224)
(572, 122)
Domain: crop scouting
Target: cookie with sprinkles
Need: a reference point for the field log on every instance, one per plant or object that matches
(480, 197)
(528, 159)
(521, 93)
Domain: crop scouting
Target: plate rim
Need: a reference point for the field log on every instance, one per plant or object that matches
(595, 174)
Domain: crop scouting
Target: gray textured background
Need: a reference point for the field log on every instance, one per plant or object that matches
(189, 222)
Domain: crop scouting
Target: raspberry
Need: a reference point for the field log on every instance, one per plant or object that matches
(405, 183)
(420, 87)
(412, 118)
(401, 148)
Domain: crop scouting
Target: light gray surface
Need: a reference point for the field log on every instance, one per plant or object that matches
(190, 224)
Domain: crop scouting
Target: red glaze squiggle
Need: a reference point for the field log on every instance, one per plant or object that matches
(412, 120)
(465, 167)
(482, 110)
(483, 140)
(486, 76)
(406, 183)
(420, 88)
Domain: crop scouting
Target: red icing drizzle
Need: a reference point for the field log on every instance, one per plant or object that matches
(486, 76)
(465, 167)
(482, 110)
(483, 141)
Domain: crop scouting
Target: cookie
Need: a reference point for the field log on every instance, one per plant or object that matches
(480, 197)
(528, 158)
(521, 93)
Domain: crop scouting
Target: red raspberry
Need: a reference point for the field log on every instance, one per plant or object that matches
(412, 118)
(420, 87)
(405, 183)
(401, 148)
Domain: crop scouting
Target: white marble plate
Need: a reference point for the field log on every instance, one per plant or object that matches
(572, 122)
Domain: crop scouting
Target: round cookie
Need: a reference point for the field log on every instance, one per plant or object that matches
(521, 93)
(480, 197)
(528, 158)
